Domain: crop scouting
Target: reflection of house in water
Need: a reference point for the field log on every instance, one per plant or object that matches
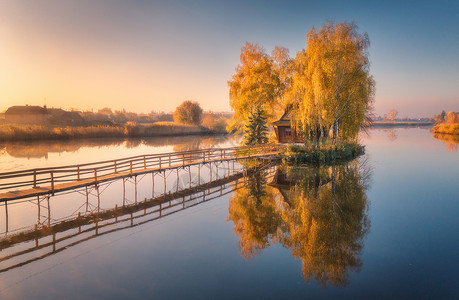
(285, 133)
(26, 114)
(283, 181)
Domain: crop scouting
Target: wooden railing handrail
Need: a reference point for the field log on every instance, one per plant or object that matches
(127, 159)
(86, 171)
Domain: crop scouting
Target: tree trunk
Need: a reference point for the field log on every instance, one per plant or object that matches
(335, 132)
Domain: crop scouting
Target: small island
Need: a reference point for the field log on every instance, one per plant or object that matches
(317, 102)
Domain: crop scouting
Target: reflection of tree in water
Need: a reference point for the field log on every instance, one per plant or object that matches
(321, 217)
(391, 134)
(253, 212)
(451, 141)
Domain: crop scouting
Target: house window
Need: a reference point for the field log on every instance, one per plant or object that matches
(288, 131)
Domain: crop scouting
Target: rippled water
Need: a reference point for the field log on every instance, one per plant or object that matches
(382, 226)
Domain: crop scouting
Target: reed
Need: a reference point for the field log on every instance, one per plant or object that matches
(17, 132)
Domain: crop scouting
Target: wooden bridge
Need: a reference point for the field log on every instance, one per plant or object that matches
(36, 242)
(47, 181)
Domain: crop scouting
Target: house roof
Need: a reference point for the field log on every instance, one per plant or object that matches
(282, 123)
(26, 110)
(285, 120)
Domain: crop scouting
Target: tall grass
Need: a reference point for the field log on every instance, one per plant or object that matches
(16, 132)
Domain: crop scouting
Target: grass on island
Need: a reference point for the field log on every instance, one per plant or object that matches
(322, 154)
(19, 132)
(447, 129)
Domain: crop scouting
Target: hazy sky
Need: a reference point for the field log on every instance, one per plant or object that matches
(152, 55)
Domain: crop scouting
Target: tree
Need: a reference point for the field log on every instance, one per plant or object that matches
(392, 114)
(255, 84)
(256, 131)
(332, 84)
(188, 112)
(214, 123)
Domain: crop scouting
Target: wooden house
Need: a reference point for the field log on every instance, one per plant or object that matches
(284, 130)
(26, 114)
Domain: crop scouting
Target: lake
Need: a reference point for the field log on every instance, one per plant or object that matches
(382, 226)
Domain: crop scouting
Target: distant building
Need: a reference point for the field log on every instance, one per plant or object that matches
(285, 133)
(60, 117)
(26, 114)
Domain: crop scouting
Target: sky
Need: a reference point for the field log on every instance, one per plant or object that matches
(147, 56)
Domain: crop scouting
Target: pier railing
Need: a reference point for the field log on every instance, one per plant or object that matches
(18, 184)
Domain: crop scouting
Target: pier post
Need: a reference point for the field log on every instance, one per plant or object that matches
(87, 198)
(165, 183)
(38, 204)
(6, 218)
(49, 212)
(124, 192)
(52, 183)
(135, 189)
(153, 185)
(189, 175)
(177, 180)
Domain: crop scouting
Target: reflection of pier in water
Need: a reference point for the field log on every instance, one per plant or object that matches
(26, 245)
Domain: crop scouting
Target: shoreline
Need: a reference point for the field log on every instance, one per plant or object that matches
(322, 155)
(26, 133)
(377, 125)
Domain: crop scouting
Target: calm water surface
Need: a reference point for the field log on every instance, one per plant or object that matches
(383, 226)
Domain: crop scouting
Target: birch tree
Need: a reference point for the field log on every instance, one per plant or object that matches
(333, 86)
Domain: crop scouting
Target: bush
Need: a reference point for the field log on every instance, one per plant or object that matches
(214, 124)
(189, 113)
(324, 154)
(447, 129)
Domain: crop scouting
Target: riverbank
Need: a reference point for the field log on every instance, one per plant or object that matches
(324, 154)
(452, 129)
(383, 124)
(15, 132)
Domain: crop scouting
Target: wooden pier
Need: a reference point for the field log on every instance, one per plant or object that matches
(47, 181)
(30, 244)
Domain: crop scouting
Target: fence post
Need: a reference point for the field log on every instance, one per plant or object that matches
(160, 162)
(115, 166)
(95, 176)
(78, 173)
(34, 178)
(144, 162)
(130, 164)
